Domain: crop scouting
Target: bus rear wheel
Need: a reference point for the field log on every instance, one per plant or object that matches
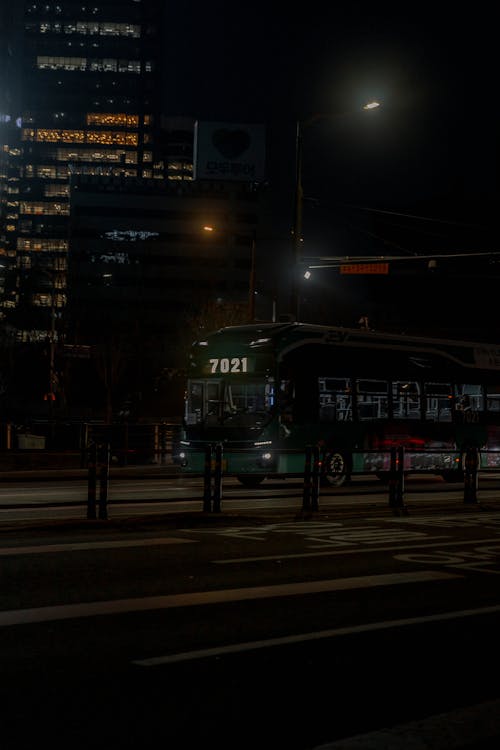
(250, 480)
(336, 469)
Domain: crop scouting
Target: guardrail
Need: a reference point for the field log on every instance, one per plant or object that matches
(399, 461)
(398, 468)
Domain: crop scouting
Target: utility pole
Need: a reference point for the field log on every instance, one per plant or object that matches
(297, 225)
(251, 284)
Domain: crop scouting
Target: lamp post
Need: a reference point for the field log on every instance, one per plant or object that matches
(297, 222)
(251, 278)
(251, 284)
(299, 200)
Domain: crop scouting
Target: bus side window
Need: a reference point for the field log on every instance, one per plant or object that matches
(468, 402)
(372, 399)
(438, 402)
(406, 399)
(493, 398)
(335, 399)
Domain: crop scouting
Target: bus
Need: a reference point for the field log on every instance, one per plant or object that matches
(265, 392)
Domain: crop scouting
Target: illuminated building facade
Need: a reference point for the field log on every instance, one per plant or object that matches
(87, 103)
(102, 222)
(8, 172)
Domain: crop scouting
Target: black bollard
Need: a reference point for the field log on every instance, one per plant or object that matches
(92, 480)
(207, 480)
(217, 489)
(400, 484)
(315, 478)
(104, 453)
(397, 480)
(393, 479)
(307, 491)
(471, 476)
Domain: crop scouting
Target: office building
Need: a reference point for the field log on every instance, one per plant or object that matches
(88, 166)
(87, 102)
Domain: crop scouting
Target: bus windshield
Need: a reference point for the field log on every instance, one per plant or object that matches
(245, 406)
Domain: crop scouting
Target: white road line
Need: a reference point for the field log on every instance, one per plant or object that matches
(155, 661)
(168, 601)
(41, 549)
(356, 550)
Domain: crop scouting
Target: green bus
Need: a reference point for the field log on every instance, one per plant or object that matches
(265, 392)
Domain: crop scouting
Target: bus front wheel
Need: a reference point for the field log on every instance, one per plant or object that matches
(336, 469)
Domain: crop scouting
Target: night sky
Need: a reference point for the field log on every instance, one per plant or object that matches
(430, 152)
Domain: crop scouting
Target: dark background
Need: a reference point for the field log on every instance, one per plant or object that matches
(418, 176)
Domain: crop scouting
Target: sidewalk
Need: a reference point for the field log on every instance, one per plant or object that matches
(139, 471)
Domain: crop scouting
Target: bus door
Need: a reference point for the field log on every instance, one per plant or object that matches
(203, 402)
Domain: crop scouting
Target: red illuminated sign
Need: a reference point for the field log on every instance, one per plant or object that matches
(382, 268)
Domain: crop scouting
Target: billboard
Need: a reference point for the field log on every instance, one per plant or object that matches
(227, 151)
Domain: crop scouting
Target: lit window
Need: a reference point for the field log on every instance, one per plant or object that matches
(117, 119)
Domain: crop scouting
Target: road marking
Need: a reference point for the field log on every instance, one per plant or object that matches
(155, 661)
(483, 519)
(322, 534)
(79, 546)
(481, 559)
(168, 601)
(355, 551)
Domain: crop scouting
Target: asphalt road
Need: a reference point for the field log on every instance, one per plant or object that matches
(269, 628)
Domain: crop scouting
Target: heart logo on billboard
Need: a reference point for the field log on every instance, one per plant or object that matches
(230, 143)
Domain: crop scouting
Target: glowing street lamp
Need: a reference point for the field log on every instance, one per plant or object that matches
(251, 281)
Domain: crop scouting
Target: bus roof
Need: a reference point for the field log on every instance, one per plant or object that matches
(278, 330)
(283, 338)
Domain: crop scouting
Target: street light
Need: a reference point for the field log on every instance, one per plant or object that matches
(251, 280)
(299, 199)
(251, 283)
